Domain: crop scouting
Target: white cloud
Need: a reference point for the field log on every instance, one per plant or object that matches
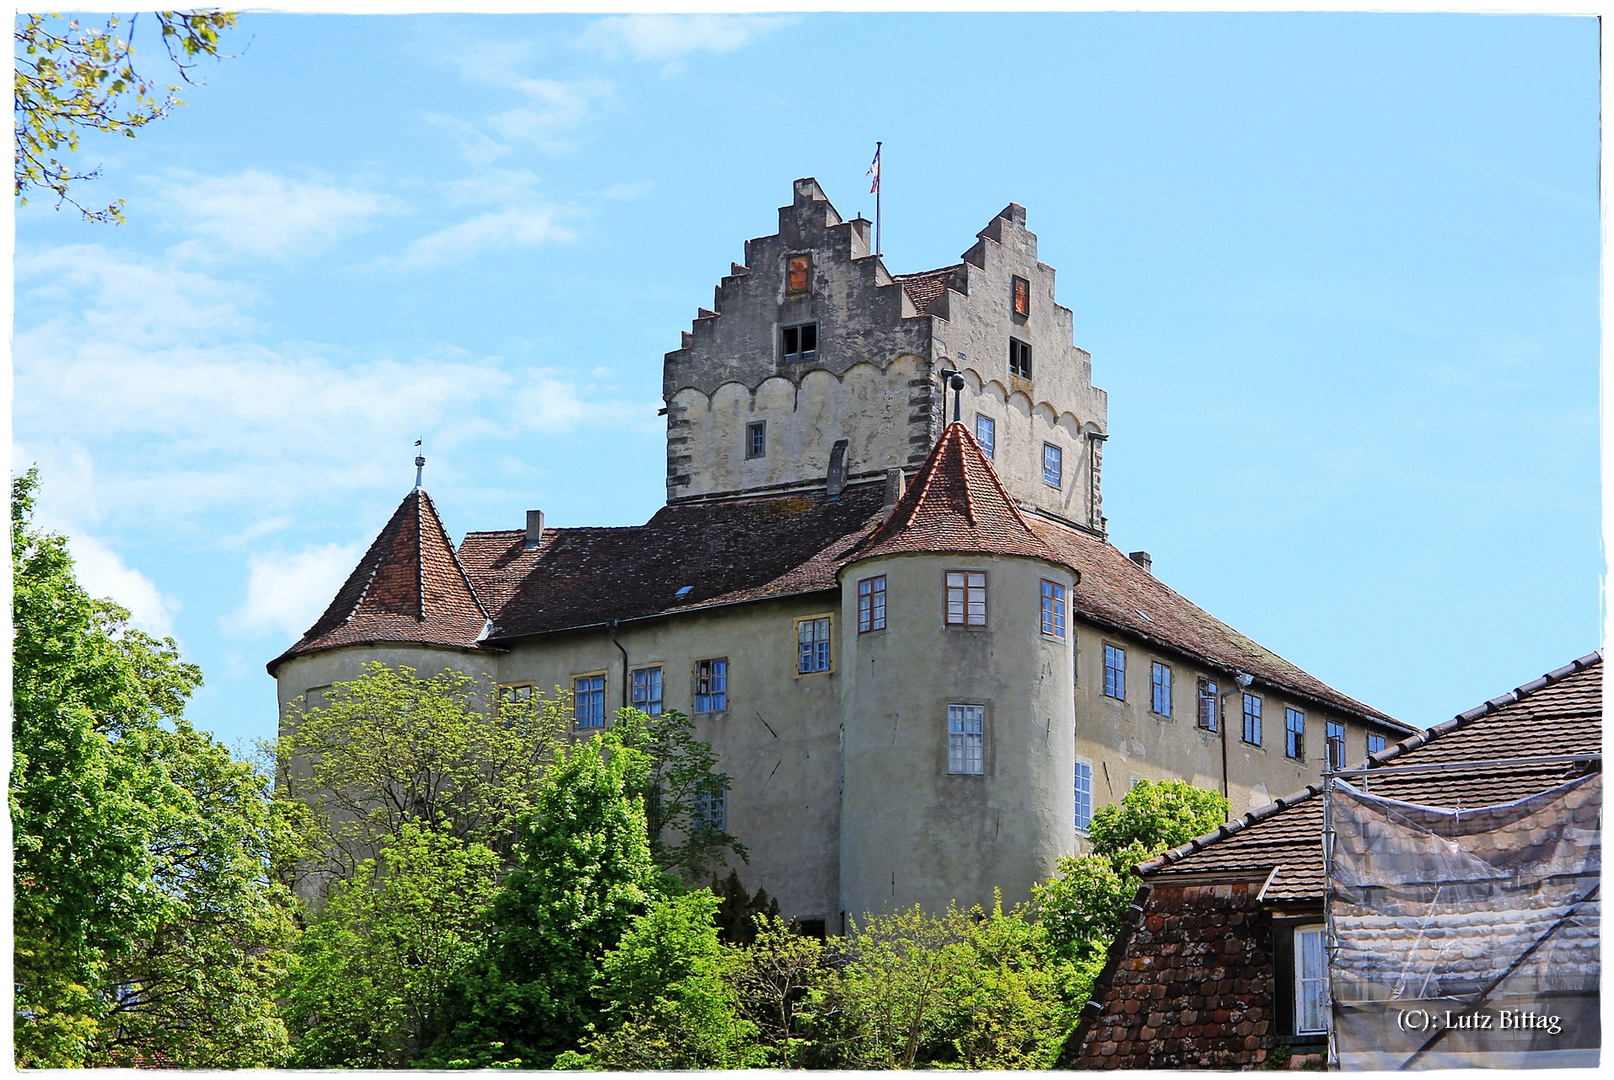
(260, 214)
(635, 190)
(287, 591)
(514, 227)
(103, 574)
(670, 37)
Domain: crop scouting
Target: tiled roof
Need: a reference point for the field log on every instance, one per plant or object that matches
(1557, 714)
(409, 587)
(924, 287)
(1117, 592)
(726, 552)
(957, 503)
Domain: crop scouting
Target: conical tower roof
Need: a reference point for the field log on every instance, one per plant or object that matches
(957, 503)
(409, 587)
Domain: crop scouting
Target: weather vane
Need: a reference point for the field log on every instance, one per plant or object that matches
(420, 463)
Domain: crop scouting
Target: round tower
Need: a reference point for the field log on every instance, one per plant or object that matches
(958, 747)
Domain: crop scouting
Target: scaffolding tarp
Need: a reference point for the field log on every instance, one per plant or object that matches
(1466, 938)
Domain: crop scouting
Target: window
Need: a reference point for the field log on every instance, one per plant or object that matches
(1294, 734)
(1020, 296)
(812, 644)
(1336, 745)
(647, 690)
(1160, 680)
(711, 809)
(1207, 704)
(1053, 609)
(514, 692)
(1053, 465)
(1019, 358)
(711, 685)
(798, 273)
(801, 342)
(1084, 794)
(966, 739)
(966, 598)
(871, 604)
(588, 700)
(756, 439)
(1375, 743)
(1115, 672)
(1311, 974)
(1252, 719)
(986, 433)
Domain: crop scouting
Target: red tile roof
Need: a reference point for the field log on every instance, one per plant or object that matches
(957, 503)
(926, 286)
(1115, 591)
(1558, 714)
(409, 587)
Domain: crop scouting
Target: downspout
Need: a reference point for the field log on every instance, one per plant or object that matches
(1241, 682)
(613, 625)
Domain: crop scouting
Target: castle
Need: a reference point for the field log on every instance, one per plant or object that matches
(905, 635)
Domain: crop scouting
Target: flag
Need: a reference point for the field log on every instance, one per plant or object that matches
(874, 171)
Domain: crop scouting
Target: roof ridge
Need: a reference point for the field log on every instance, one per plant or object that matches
(1423, 738)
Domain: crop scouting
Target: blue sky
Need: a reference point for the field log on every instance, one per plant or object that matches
(1338, 273)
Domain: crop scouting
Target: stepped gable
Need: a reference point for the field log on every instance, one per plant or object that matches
(1560, 713)
(409, 587)
(957, 503)
(1118, 593)
(727, 552)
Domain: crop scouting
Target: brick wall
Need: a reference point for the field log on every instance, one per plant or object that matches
(1192, 986)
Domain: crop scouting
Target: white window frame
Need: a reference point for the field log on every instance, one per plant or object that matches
(1058, 470)
(715, 676)
(818, 654)
(1084, 794)
(966, 739)
(989, 442)
(1316, 982)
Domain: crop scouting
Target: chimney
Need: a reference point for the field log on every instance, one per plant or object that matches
(1142, 559)
(535, 528)
(836, 481)
(896, 483)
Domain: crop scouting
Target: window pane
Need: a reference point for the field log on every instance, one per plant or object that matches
(1052, 464)
(1311, 969)
(1252, 719)
(1084, 794)
(877, 619)
(1375, 743)
(986, 434)
(1207, 705)
(1115, 672)
(1161, 681)
(647, 690)
(966, 739)
(792, 338)
(1294, 724)
(809, 340)
(588, 701)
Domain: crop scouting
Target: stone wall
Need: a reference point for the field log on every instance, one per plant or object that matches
(1191, 985)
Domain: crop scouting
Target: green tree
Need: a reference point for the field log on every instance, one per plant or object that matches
(585, 872)
(1083, 905)
(377, 959)
(145, 926)
(786, 988)
(681, 781)
(71, 78)
(670, 1006)
(737, 911)
(895, 983)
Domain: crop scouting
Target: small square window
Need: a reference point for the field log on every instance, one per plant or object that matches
(812, 645)
(1084, 794)
(1294, 734)
(871, 604)
(1375, 743)
(711, 685)
(1019, 358)
(986, 434)
(1053, 465)
(647, 690)
(1115, 672)
(1207, 705)
(756, 439)
(515, 692)
(1252, 719)
(798, 273)
(1160, 684)
(966, 598)
(1336, 744)
(1020, 292)
(966, 739)
(800, 342)
(1053, 609)
(588, 700)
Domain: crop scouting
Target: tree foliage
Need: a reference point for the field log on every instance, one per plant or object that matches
(145, 926)
(71, 78)
(737, 911)
(682, 778)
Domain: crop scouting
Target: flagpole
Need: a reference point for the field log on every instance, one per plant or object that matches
(877, 164)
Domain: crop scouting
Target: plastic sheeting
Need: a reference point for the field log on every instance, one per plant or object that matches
(1466, 937)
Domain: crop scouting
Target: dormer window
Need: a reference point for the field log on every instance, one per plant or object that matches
(798, 274)
(800, 342)
(1020, 294)
(1019, 358)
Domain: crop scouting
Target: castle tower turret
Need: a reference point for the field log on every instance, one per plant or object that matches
(959, 740)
